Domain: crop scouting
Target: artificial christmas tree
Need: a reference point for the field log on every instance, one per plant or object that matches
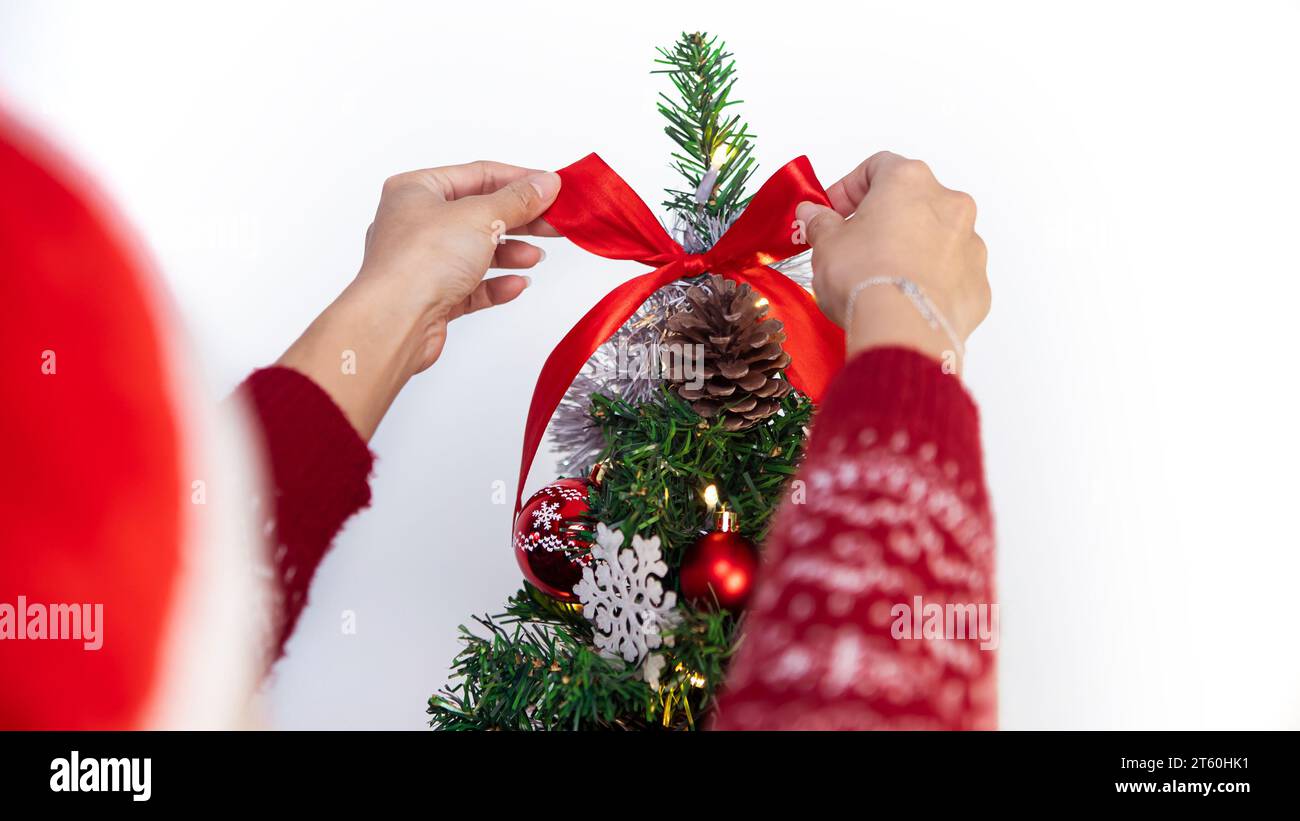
(624, 648)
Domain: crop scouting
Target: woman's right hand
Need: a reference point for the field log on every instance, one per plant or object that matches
(904, 224)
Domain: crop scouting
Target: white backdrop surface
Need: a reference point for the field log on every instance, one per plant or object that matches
(1137, 176)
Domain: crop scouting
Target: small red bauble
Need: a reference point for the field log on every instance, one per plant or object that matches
(552, 537)
(720, 568)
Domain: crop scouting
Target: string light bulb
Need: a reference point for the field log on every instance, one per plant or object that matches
(704, 192)
(719, 156)
(693, 677)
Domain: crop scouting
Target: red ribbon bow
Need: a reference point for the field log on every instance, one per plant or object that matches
(600, 212)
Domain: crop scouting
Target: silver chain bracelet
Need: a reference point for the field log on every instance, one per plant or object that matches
(929, 312)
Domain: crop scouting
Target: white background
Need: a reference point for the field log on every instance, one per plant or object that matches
(1137, 175)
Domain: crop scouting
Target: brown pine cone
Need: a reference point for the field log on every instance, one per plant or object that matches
(722, 355)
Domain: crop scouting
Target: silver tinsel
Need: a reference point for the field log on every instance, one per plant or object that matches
(798, 268)
(627, 366)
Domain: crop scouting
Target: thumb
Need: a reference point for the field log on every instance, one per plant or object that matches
(818, 220)
(519, 202)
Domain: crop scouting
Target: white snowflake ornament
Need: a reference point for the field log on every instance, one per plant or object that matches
(623, 595)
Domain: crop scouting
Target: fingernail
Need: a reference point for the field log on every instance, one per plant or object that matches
(805, 211)
(541, 258)
(527, 280)
(546, 184)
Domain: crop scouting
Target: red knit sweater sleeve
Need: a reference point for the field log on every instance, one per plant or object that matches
(319, 471)
(874, 608)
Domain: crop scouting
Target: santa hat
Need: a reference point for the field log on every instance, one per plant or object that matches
(127, 528)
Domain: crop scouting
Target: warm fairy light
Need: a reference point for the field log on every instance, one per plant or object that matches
(711, 497)
(719, 156)
(695, 678)
(762, 302)
(704, 192)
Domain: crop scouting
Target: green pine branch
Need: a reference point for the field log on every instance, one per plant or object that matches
(663, 455)
(702, 125)
(533, 670)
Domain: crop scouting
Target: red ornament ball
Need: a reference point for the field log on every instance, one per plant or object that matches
(552, 537)
(719, 567)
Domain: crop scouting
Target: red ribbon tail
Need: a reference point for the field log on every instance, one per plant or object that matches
(577, 346)
(815, 344)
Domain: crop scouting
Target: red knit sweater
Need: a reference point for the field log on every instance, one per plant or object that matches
(893, 507)
(889, 506)
(320, 476)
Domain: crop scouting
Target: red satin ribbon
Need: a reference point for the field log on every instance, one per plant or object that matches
(600, 212)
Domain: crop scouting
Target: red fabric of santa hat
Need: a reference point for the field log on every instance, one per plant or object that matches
(122, 597)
